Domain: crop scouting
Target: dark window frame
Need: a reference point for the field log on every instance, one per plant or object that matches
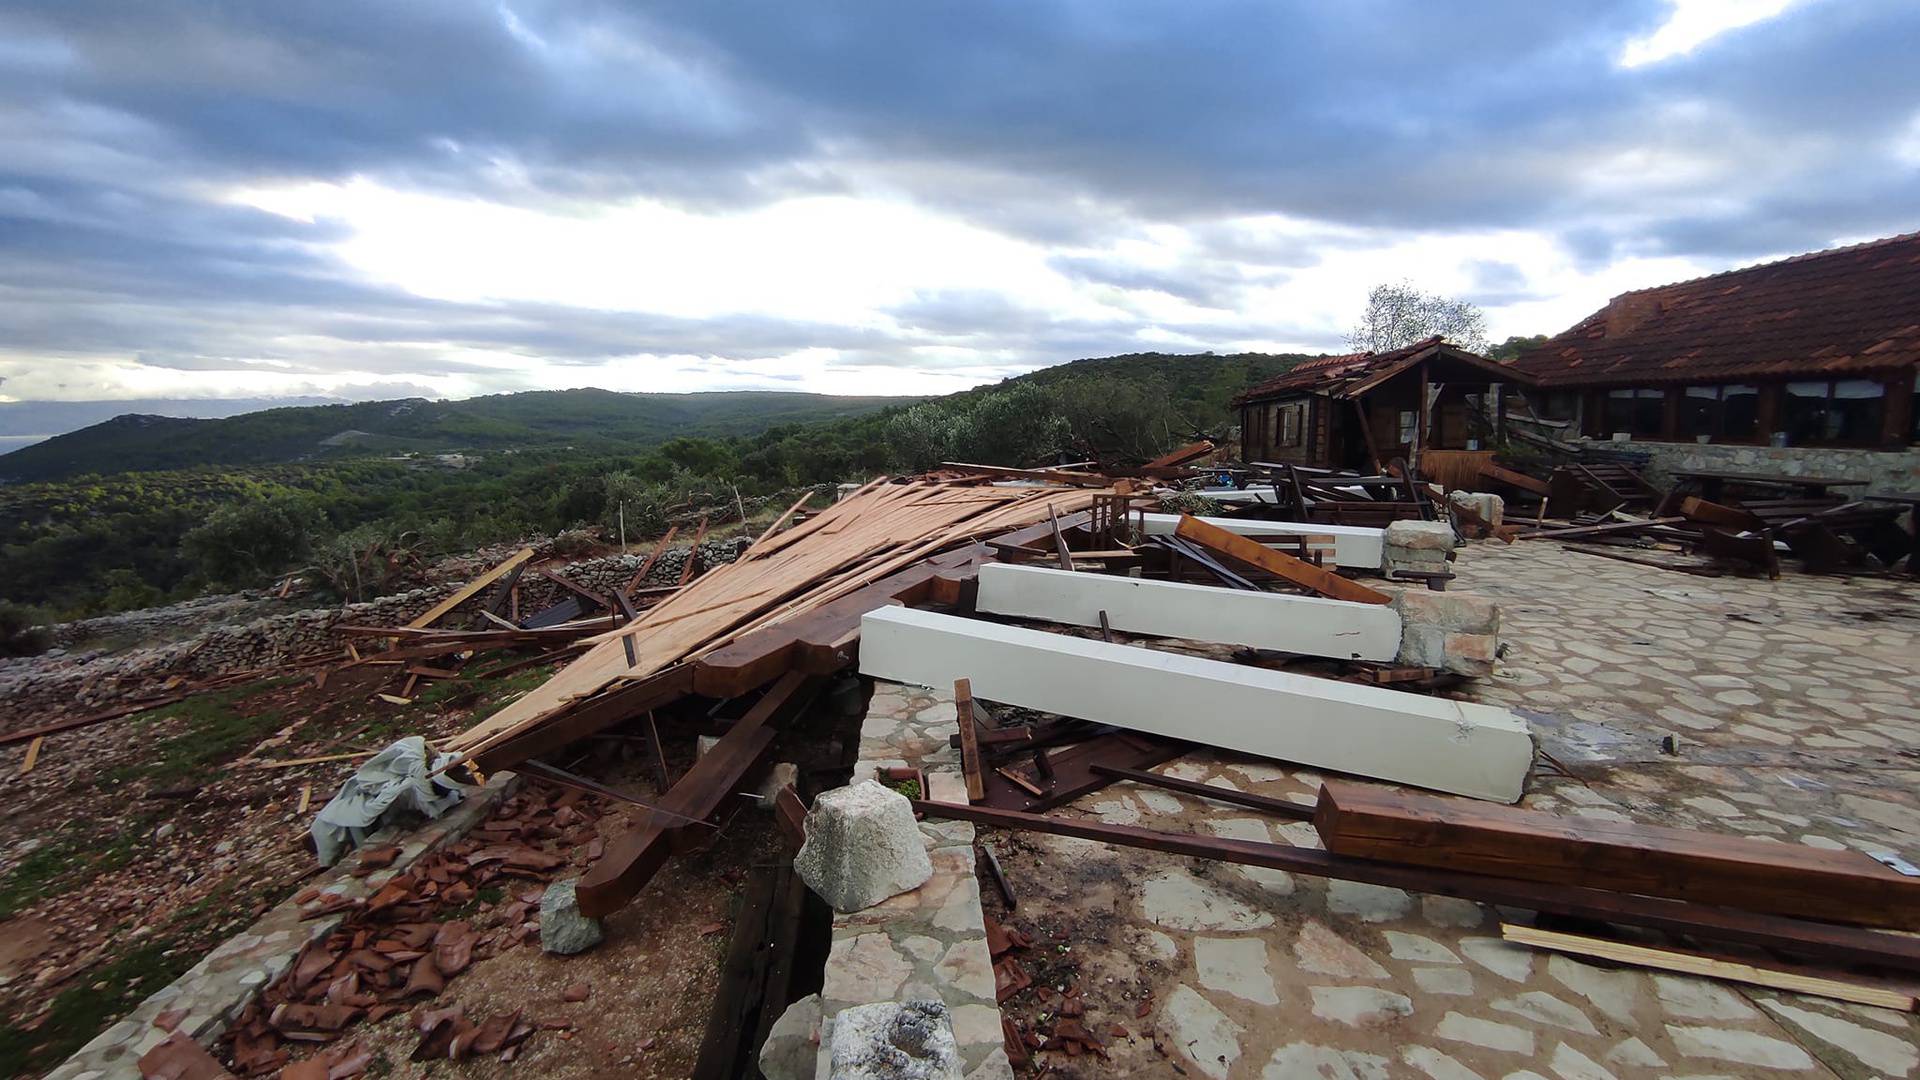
(1826, 422)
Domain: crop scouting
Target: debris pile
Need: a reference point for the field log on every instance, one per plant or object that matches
(397, 948)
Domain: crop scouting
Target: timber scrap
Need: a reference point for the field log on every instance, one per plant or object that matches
(787, 611)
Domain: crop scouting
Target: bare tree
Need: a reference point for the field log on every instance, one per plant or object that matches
(1398, 315)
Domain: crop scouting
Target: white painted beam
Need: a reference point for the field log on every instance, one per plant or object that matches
(1453, 746)
(1309, 625)
(1354, 546)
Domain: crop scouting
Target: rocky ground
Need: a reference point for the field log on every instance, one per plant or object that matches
(135, 845)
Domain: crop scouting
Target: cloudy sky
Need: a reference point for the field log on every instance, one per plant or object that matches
(205, 199)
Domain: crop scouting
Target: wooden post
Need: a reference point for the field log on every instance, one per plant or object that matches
(969, 740)
(1366, 433)
(1425, 416)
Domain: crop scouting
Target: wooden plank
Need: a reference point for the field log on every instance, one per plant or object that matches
(118, 711)
(1298, 571)
(660, 548)
(1188, 453)
(581, 591)
(1504, 475)
(1456, 746)
(1753, 875)
(1798, 937)
(1708, 967)
(634, 857)
(1694, 508)
(742, 979)
(1609, 529)
(1308, 625)
(969, 740)
(604, 711)
(1060, 544)
(1356, 547)
(693, 552)
(33, 754)
(471, 589)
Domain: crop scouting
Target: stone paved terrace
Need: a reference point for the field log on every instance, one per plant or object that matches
(1795, 704)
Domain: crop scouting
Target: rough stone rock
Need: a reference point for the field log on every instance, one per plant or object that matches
(1491, 508)
(895, 1040)
(563, 929)
(792, 1049)
(862, 846)
(782, 774)
(1419, 536)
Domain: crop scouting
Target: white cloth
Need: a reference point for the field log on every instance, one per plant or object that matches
(393, 781)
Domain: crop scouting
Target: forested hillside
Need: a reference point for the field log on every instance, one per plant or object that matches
(305, 433)
(109, 541)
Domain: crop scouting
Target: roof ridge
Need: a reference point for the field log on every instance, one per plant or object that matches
(1805, 256)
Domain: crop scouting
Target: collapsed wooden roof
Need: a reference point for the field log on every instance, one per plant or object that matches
(1355, 374)
(874, 532)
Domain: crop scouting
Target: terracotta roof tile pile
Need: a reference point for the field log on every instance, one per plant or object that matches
(1851, 309)
(393, 950)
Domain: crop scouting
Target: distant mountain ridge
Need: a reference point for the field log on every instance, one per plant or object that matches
(1199, 386)
(144, 442)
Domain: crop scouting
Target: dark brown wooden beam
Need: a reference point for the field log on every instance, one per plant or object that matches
(635, 856)
(1680, 864)
(1833, 944)
(1266, 804)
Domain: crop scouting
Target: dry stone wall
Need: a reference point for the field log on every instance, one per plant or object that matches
(78, 679)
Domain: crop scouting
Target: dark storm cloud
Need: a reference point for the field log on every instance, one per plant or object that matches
(1071, 124)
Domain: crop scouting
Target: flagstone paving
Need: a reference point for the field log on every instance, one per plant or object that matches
(1794, 705)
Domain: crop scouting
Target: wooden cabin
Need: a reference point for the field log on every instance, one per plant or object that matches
(1361, 411)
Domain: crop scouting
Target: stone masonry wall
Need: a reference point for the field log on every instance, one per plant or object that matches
(1886, 471)
(92, 679)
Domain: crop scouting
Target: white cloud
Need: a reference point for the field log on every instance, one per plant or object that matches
(1696, 22)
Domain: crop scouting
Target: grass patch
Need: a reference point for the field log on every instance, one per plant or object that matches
(81, 1012)
(71, 858)
(216, 730)
(479, 691)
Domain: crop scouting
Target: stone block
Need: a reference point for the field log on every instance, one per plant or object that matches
(1452, 632)
(1491, 508)
(895, 1040)
(862, 847)
(792, 1049)
(1419, 536)
(563, 930)
(782, 774)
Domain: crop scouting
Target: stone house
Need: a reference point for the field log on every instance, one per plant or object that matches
(1809, 365)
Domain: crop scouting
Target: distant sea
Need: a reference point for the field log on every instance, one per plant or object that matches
(10, 443)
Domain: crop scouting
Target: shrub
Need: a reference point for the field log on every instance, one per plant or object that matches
(19, 634)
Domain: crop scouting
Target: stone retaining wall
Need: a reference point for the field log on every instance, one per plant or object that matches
(92, 680)
(1887, 472)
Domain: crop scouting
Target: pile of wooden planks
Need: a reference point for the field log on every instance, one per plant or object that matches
(880, 530)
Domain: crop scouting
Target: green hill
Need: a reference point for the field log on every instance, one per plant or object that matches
(586, 418)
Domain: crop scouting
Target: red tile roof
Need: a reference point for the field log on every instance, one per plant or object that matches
(1356, 373)
(1851, 309)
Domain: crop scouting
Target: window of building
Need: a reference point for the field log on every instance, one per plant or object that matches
(1840, 411)
(1291, 424)
(1719, 412)
(1408, 421)
(1557, 404)
(1641, 411)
